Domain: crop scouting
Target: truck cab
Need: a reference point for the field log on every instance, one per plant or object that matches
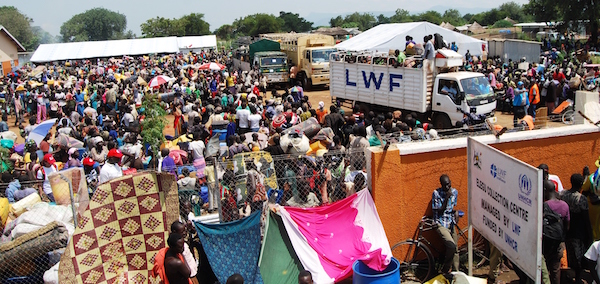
(470, 92)
(315, 65)
(273, 65)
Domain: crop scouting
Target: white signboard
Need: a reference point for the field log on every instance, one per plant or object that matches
(505, 205)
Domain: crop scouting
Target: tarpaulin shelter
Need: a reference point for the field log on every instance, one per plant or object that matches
(393, 36)
(264, 45)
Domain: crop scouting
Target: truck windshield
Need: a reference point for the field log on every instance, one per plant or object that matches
(477, 91)
(322, 55)
(272, 61)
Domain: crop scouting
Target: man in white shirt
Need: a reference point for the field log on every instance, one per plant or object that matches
(196, 147)
(241, 116)
(593, 257)
(254, 119)
(111, 169)
(48, 167)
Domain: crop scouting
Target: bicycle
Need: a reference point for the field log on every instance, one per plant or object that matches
(417, 262)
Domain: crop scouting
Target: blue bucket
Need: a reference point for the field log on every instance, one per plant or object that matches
(365, 275)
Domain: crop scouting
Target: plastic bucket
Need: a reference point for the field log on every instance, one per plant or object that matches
(365, 275)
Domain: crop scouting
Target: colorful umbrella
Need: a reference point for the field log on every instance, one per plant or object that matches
(212, 66)
(159, 80)
(41, 130)
(295, 90)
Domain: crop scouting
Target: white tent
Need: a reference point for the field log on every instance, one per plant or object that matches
(393, 36)
(197, 42)
(107, 48)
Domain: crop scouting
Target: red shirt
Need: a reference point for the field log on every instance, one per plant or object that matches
(559, 77)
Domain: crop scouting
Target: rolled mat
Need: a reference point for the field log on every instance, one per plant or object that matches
(34, 244)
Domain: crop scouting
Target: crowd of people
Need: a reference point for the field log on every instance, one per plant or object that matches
(227, 112)
(569, 229)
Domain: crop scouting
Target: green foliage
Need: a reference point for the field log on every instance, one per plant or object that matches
(362, 21)
(188, 25)
(429, 16)
(502, 24)
(93, 25)
(224, 32)
(453, 17)
(256, 24)
(5, 163)
(293, 22)
(160, 27)
(511, 10)
(18, 25)
(154, 123)
(401, 16)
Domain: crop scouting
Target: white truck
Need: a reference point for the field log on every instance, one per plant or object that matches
(371, 81)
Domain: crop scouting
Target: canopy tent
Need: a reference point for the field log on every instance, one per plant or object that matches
(393, 36)
(107, 48)
(197, 42)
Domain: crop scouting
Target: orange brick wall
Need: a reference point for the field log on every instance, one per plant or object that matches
(402, 185)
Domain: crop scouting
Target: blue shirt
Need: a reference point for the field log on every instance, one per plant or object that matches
(13, 187)
(437, 200)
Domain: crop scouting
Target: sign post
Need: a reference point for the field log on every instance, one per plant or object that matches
(505, 206)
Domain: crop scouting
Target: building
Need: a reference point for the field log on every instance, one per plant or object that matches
(9, 49)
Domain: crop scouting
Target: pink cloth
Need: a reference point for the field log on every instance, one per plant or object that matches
(329, 239)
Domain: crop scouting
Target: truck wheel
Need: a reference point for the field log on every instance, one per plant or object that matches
(306, 83)
(441, 121)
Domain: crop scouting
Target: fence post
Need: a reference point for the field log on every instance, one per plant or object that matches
(72, 197)
(217, 189)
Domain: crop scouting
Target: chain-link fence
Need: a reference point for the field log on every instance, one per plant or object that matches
(35, 231)
(245, 182)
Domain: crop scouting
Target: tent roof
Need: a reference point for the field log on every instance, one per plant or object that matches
(20, 47)
(197, 41)
(108, 48)
(392, 36)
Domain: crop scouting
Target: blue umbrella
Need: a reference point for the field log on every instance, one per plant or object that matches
(41, 130)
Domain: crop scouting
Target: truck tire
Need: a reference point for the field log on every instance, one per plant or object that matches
(441, 121)
(306, 83)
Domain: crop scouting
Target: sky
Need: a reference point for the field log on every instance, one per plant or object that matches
(50, 15)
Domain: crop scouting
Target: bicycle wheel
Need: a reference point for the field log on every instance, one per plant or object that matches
(480, 245)
(416, 261)
(568, 117)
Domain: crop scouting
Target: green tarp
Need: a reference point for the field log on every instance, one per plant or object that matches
(278, 261)
(263, 45)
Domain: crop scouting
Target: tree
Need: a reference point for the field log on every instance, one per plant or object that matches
(429, 16)
(224, 32)
(94, 24)
(293, 22)
(382, 19)
(194, 24)
(336, 22)
(256, 24)
(514, 11)
(401, 16)
(160, 27)
(453, 17)
(502, 24)
(18, 25)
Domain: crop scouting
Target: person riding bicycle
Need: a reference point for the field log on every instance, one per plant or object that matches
(443, 201)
